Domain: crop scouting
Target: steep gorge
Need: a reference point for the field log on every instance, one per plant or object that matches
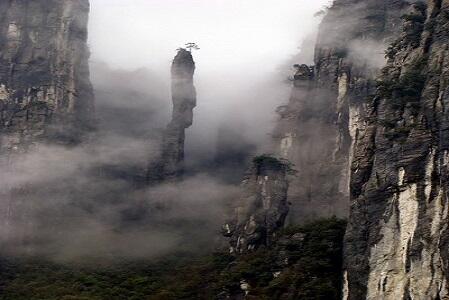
(360, 129)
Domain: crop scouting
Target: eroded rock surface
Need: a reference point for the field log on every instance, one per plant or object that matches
(397, 239)
(317, 127)
(170, 165)
(262, 208)
(45, 92)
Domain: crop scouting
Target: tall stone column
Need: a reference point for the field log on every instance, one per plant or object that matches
(170, 165)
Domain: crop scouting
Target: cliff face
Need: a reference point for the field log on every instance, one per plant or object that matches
(389, 125)
(262, 207)
(171, 164)
(45, 97)
(397, 239)
(45, 92)
(317, 127)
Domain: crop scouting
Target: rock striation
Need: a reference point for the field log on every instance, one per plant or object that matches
(262, 207)
(317, 128)
(397, 237)
(170, 165)
(45, 97)
(45, 91)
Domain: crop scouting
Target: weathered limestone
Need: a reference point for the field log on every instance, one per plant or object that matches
(262, 207)
(45, 92)
(397, 238)
(325, 112)
(170, 165)
(45, 95)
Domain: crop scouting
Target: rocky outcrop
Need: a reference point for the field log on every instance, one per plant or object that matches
(45, 97)
(45, 92)
(316, 129)
(170, 165)
(262, 207)
(397, 239)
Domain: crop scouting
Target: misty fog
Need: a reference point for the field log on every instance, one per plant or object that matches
(91, 200)
(240, 67)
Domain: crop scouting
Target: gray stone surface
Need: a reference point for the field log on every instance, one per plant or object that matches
(45, 98)
(397, 238)
(317, 127)
(262, 207)
(170, 163)
(45, 91)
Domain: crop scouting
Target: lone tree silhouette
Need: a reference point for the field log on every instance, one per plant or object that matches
(190, 46)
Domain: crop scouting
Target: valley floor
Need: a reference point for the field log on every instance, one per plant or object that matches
(305, 263)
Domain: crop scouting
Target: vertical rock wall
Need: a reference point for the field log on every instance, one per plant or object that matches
(45, 92)
(317, 127)
(397, 239)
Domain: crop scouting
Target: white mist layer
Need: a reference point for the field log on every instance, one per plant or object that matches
(243, 44)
